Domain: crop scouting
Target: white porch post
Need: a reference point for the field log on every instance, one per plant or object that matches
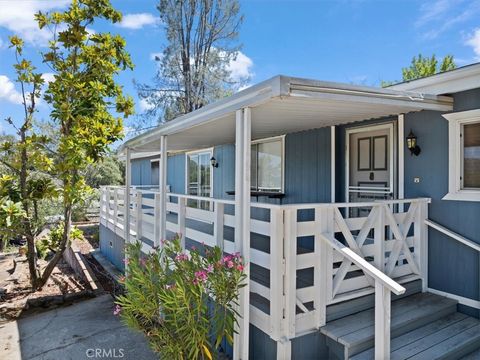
(126, 198)
(242, 224)
(162, 185)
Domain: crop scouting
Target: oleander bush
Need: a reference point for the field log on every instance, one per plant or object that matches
(184, 303)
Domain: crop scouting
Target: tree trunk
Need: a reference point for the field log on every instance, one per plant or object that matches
(63, 245)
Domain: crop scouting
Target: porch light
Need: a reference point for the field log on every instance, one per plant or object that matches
(213, 162)
(412, 144)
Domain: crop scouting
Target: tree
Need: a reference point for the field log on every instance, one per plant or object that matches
(105, 172)
(193, 68)
(423, 66)
(28, 164)
(83, 96)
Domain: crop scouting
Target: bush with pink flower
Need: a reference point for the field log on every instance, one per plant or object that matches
(183, 302)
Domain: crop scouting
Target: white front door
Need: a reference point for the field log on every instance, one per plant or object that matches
(370, 163)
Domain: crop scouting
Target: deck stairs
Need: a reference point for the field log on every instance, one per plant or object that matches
(424, 326)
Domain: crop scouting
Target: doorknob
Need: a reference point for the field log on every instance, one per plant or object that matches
(372, 176)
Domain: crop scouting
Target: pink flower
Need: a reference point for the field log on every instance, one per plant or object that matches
(117, 310)
(240, 267)
(181, 257)
(201, 276)
(210, 268)
(227, 259)
(230, 264)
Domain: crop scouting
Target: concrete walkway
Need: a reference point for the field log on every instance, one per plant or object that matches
(86, 330)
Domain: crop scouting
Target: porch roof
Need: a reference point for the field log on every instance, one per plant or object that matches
(283, 105)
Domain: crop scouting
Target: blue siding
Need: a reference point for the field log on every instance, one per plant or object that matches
(114, 252)
(142, 171)
(224, 174)
(453, 267)
(176, 173)
(307, 167)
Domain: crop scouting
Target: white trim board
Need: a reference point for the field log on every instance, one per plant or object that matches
(455, 154)
(461, 79)
(461, 300)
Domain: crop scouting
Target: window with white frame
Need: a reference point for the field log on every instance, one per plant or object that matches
(267, 167)
(199, 177)
(464, 155)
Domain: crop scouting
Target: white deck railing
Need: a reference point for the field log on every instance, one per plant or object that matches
(306, 256)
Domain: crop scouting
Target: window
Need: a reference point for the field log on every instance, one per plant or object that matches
(464, 156)
(267, 165)
(155, 172)
(199, 177)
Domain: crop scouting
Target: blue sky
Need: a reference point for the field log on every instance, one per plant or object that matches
(361, 42)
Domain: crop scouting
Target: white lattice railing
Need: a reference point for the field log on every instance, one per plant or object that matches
(306, 256)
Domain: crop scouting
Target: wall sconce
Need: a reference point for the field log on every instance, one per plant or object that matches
(412, 144)
(213, 162)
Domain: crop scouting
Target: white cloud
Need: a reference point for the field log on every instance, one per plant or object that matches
(240, 68)
(138, 21)
(145, 105)
(48, 77)
(438, 16)
(18, 17)
(8, 91)
(474, 42)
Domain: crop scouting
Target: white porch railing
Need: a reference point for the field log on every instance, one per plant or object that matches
(304, 256)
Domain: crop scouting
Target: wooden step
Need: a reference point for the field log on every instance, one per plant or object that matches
(472, 356)
(439, 339)
(355, 333)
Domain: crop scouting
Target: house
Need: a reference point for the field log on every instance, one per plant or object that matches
(357, 209)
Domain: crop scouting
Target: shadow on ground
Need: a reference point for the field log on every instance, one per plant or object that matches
(85, 330)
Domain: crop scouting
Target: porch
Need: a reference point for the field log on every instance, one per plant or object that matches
(304, 258)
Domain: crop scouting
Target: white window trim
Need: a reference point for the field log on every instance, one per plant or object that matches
(272, 139)
(455, 155)
(187, 154)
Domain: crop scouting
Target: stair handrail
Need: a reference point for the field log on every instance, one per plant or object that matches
(368, 268)
(384, 285)
(453, 235)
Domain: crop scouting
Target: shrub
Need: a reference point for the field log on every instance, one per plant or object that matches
(52, 241)
(184, 303)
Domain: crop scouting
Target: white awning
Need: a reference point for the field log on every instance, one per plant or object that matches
(283, 105)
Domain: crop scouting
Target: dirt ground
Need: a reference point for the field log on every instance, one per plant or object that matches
(64, 286)
(16, 297)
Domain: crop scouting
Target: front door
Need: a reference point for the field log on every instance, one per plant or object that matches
(370, 169)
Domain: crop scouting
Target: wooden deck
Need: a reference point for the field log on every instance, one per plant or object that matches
(423, 326)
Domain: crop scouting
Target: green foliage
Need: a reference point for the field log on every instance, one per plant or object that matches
(423, 66)
(193, 69)
(105, 172)
(84, 89)
(184, 304)
(52, 241)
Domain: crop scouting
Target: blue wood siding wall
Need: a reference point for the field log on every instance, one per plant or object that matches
(142, 171)
(452, 267)
(111, 246)
(176, 173)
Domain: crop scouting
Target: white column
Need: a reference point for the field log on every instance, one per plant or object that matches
(126, 205)
(401, 160)
(332, 163)
(242, 223)
(382, 322)
(162, 185)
